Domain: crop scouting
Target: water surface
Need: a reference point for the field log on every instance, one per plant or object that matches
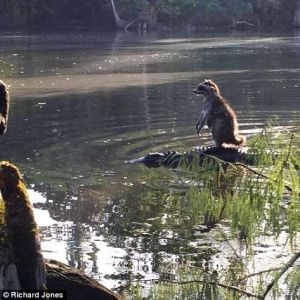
(82, 104)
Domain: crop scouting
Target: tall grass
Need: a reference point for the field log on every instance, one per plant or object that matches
(241, 203)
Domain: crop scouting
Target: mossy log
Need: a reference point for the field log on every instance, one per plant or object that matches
(78, 285)
(22, 231)
(22, 266)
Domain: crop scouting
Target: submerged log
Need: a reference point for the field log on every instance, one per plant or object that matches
(4, 107)
(172, 159)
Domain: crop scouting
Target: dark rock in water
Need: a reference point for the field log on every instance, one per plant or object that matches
(77, 285)
(172, 159)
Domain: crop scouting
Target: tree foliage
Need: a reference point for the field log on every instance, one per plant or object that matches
(55, 13)
(171, 13)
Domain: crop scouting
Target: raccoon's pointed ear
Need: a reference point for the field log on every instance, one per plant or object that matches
(213, 86)
(210, 83)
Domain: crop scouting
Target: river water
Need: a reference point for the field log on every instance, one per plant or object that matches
(83, 104)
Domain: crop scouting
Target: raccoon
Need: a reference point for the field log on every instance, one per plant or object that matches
(218, 116)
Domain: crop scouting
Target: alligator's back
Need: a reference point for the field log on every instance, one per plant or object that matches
(171, 159)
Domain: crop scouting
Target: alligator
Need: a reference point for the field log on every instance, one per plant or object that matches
(172, 159)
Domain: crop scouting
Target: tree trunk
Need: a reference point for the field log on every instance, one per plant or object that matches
(121, 24)
(4, 107)
(297, 15)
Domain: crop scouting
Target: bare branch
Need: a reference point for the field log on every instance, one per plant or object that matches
(289, 264)
(229, 287)
(287, 187)
(260, 273)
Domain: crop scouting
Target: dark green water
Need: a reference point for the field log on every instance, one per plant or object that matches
(83, 104)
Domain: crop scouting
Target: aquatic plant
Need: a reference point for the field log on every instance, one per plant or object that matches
(238, 205)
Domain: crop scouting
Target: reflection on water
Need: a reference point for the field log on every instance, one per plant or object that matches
(83, 104)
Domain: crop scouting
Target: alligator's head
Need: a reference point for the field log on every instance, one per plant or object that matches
(151, 160)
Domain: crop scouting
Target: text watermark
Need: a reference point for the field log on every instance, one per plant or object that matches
(39, 295)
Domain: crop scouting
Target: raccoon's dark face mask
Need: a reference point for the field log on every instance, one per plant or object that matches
(205, 88)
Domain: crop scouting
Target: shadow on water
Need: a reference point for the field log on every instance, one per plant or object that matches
(82, 105)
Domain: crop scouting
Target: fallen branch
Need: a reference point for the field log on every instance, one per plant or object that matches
(239, 23)
(287, 187)
(259, 273)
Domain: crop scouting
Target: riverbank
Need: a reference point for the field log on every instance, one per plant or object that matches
(150, 15)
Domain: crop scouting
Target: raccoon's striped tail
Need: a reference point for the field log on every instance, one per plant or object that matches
(240, 140)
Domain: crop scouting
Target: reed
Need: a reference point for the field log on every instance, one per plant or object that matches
(236, 203)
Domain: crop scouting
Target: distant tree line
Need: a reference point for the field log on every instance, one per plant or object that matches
(156, 14)
(56, 13)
